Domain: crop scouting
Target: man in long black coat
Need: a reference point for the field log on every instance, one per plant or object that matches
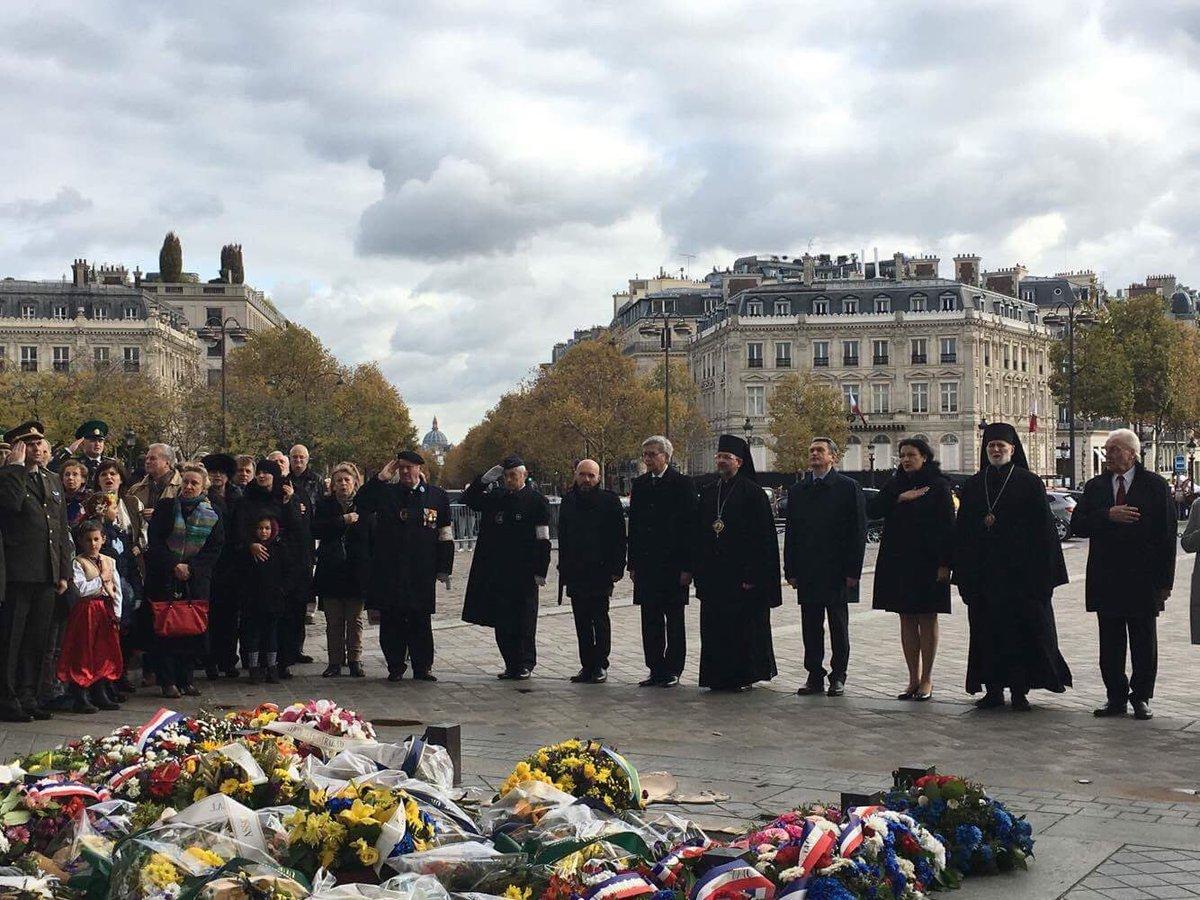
(662, 507)
(735, 563)
(38, 551)
(1129, 514)
(512, 557)
(412, 548)
(823, 549)
(591, 559)
(1007, 563)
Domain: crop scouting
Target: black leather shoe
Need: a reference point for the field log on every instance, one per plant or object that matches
(15, 715)
(332, 671)
(1020, 703)
(811, 688)
(652, 681)
(212, 673)
(523, 675)
(1141, 710)
(669, 681)
(356, 670)
(990, 701)
(40, 713)
(395, 676)
(599, 677)
(1110, 709)
(505, 675)
(304, 658)
(581, 676)
(283, 673)
(100, 699)
(424, 676)
(836, 688)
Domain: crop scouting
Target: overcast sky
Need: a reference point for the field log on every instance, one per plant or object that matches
(451, 188)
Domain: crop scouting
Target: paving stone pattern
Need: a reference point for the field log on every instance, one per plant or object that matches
(1144, 873)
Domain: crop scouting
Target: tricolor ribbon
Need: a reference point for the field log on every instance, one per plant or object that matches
(737, 880)
(121, 776)
(621, 887)
(157, 723)
(666, 870)
(814, 843)
(48, 789)
(794, 890)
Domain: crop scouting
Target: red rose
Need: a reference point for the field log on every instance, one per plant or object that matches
(787, 856)
(163, 778)
(946, 779)
(909, 846)
(925, 781)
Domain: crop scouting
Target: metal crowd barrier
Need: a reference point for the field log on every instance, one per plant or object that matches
(466, 525)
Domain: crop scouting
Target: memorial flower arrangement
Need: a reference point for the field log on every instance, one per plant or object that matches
(328, 718)
(583, 769)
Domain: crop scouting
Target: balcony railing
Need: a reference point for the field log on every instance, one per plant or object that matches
(880, 360)
(919, 358)
(755, 362)
(819, 361)
(949, 357)
(849, 360)
(783, 362)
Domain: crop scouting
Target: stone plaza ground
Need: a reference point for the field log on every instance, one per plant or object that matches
(1113, 802)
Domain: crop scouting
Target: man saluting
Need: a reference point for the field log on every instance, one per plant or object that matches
(512, 556)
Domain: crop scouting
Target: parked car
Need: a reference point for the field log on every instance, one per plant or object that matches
(1062, 504)
(874, 526)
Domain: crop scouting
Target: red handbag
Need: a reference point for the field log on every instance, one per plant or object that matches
(179, 618)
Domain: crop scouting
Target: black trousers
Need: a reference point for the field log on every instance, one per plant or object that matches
(664, 638)
(812, 627)
(224, 626)
(405, 633)
(25, 619)
(291, 632)
(1140, 634)
(516, 632)
(592, 630)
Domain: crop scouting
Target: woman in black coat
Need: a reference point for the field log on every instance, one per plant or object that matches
(185, 539)
(912, 572)
(342, 559)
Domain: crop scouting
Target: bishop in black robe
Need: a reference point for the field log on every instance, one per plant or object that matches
(1007, 563)
(736, 569)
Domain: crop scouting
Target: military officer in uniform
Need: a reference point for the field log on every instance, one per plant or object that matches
(38, 552)
(512, 556)
(412, 548)
(88, 448)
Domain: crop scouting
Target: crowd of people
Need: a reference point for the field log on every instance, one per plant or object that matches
(214, 566)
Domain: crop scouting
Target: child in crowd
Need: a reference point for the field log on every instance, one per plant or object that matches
(265, 585)
(91, 648)
(74, 475)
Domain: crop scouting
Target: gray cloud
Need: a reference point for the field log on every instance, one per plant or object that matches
(66, 202)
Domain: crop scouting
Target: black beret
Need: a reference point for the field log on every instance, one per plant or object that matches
(411, 456)
(220, 462)
(512, 461)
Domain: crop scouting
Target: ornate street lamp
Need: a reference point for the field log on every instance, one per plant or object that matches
(1070, 320)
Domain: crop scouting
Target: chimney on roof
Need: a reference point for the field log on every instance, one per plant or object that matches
(810, 269)
(79, 273)
(966, 269)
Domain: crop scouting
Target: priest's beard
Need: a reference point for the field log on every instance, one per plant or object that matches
(999, 461)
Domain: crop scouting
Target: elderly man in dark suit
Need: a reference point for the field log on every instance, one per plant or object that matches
(1129, 515)
(38, 552)
(823, 549)
(662, 509)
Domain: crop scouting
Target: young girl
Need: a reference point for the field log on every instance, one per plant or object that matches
(265, 584)
(91, 647)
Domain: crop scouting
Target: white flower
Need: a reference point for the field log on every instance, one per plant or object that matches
(132, 789)
(790, 874)
(922, 800)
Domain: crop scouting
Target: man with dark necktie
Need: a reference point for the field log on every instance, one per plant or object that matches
(1129, 515)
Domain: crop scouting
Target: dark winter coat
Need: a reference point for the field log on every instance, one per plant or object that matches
(412, 543)
(826, 538)
(511, 552)
(918, 539)
(1130, 565)
(344, 554)
(264, 586)
(591, 542)
(661, 513)
(257, 503)
(745, 552)
(161, 561)
(37, 541)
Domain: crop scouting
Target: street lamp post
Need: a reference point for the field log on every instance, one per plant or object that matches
(871, 465)
(663, 333)
(220, 331)
(130, 441)
(1191, 448)
(1070, 320)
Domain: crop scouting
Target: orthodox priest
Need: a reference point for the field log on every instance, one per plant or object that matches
(1008, 561)
(735, 565)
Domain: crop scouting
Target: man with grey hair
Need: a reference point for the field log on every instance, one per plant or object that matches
(662, 505)
(161, 480)
(1129, 515)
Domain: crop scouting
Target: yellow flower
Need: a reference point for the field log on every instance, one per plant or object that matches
(565, 784)
(205, 856)
(316, 798)
(160, 871)
(327, 857)
(199, 794)
(589, 771)
(208, 746)
(245, 789)
(512, 892)
(604, 774)
(359, 813)
(367, 855)
(191, 766)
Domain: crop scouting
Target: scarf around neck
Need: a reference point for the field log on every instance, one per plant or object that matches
(194, 521)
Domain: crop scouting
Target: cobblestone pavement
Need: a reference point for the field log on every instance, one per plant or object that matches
(1141, 872)
(1090, 786)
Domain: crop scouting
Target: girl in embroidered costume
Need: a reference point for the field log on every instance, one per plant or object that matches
(91, 647)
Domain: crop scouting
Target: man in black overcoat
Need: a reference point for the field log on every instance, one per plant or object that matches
(512, 557)
(823, 549)
(591, 559)
(662, 506)
(412, 548)
(38, 552)
(1007, 562)
(1128, 513)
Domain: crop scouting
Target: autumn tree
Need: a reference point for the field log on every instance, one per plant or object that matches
(170, 259)
(801, 407)
(689, 428)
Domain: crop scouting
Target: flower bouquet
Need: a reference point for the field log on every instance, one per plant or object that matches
(329, 718)
(586, 770)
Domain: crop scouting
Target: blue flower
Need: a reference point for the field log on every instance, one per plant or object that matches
(336, 804)
(968, 836)
(985, 854)
(828, 888)
(925, 873)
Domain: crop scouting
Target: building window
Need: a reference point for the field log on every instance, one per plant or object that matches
(883, 304)
(756, 400)
(131, 312)
(173, 289)
(783, 307)
(100, 357)
(783, 355)
(947, 301)
(920, 397)
(820, 353)
(920, 350)
(29, 359)
(214, 289)
(879, 353)
(60, 312)
(1007, 353)
(133, 359)
(918, 303)
(820, 306)
(754, 308)
(949, 453)
(28, 311)
(850, 305)
(849, 353)
(949, 347)
(669, 306)
(1024, 359)
(949, 396)
(754, 355)
(881, 398)
(62, 359)
(850, 394)
(100, 312)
